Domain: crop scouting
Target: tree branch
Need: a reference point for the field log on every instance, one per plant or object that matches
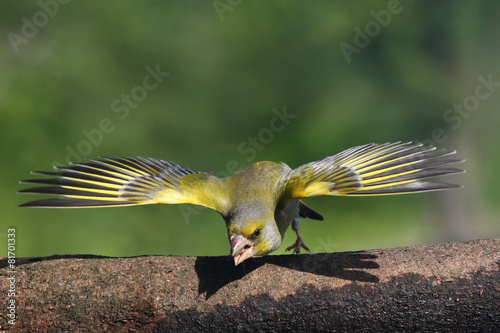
(445, 287)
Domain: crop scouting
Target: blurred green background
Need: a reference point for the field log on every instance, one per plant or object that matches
(73, 84)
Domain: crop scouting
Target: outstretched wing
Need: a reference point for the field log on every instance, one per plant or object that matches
(372, 169)
(125, 182)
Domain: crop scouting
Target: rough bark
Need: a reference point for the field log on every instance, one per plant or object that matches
(450, 287)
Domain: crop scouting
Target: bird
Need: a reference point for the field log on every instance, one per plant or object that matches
(257, 204)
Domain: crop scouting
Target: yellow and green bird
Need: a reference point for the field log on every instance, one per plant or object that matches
(258, 204)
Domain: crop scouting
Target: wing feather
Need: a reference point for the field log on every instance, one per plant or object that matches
(372, 169)
(124, 182)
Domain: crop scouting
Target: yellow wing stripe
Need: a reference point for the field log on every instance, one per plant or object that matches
(376, 187)
(94, 175)
(113, 199)
(362, 170)
(374, 180)
(147, 169)
(117, 175)
(379, 179)
(125, 182)
(371, 170)
(93, 182)
(127, 170)
(363, 158)
(370, 161)
(93, 190)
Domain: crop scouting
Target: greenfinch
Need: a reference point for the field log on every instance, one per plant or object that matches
(258, 204)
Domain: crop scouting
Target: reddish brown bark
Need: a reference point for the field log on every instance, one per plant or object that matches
(445, 287)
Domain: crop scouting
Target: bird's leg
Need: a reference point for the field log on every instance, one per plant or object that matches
(299, 243)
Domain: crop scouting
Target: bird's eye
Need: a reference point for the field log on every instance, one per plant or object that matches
(256, 233)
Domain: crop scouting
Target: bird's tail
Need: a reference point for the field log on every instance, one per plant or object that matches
(114, 182)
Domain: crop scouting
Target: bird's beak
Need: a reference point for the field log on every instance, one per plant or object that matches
(241, 249)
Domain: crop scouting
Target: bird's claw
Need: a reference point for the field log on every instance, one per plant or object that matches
(297, 245)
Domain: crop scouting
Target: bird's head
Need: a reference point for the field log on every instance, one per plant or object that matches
(252, 233)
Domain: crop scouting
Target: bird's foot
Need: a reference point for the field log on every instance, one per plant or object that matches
(298, 244)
